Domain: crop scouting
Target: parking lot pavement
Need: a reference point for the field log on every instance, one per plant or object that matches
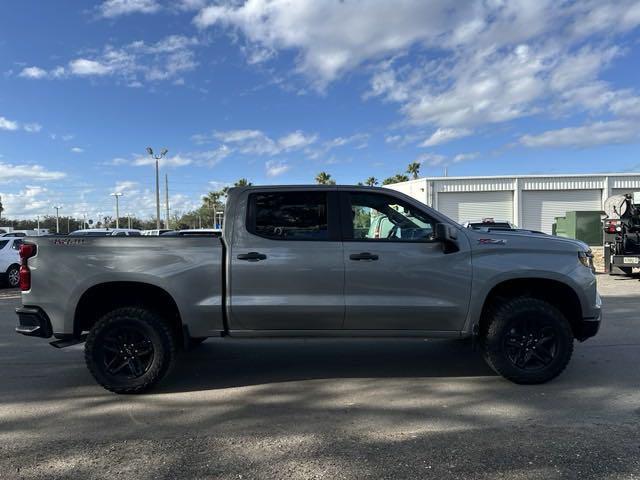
(327, 409)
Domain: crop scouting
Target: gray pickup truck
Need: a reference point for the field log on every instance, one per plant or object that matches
(309, 261)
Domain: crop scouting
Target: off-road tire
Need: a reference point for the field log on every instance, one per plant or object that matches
(150, 325)
(505, 321)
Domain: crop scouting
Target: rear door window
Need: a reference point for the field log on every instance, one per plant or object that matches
(289, 215)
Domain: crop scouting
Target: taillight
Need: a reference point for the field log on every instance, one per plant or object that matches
(27, 251)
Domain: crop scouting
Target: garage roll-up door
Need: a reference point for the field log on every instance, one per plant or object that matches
(540, 207)
(463, 206)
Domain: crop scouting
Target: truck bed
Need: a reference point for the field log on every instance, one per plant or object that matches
(190, 268)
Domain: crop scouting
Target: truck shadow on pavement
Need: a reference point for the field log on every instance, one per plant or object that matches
(220, 363)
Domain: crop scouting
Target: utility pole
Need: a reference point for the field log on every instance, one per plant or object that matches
(117, 195)
(157, 157)
(57, 207)
(38, 218)
(166, 198)
(68, 221)
(129, 219)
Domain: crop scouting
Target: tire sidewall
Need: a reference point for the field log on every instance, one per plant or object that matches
(507, 317)
(151, 327)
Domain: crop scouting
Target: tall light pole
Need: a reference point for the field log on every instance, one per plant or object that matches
(157, 157)
(166, 198)
(57, 207)
(117, 195)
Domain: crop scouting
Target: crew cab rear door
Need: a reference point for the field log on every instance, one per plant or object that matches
(397, 276)
(286, 261)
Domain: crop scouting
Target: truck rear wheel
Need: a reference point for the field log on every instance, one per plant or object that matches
(129, 350)
(527, 341)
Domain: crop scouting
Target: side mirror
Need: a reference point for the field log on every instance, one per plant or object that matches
(447, 235)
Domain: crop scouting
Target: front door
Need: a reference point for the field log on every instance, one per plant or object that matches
(287, 268)
(397, 276)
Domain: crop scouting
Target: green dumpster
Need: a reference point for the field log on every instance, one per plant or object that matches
(585, 226)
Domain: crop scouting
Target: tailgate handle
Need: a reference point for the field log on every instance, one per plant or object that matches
(363, 256)
(252, 256)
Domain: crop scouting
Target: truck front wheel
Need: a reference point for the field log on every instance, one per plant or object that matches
(527, 340)
(129, 350)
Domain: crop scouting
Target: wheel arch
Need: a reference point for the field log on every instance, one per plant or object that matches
(559, 294)
(107, 296)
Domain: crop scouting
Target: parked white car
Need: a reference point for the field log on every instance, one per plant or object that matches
(10, 260)
(155, 232)
(106, 232)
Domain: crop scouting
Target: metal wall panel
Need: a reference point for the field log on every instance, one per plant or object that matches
(463, 206)
(540, 207)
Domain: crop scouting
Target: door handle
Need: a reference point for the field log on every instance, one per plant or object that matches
(363, 256)
(252, 256)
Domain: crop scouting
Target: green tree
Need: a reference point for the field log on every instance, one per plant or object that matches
(414, 169)
(371, 181)
(243, 182)
(395, 179)
(324, 178)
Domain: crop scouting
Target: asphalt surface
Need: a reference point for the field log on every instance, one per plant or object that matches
(327, 409)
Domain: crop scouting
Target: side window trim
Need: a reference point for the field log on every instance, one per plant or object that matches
(347, 221)
(334, 227)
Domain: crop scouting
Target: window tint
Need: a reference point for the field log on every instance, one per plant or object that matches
(289, 215)
(3, 243)
(16, 244)
(382, 217)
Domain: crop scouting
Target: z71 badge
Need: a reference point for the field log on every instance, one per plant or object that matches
(492, 241)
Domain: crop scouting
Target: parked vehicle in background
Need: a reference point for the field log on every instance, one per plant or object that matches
(489, 223)
(622, 233)
(308, 262)
(10, 260)
(207, 232)
(14, 234)
(106, 232)
(155, 232)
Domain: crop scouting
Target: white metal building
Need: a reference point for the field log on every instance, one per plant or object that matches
(529, 201)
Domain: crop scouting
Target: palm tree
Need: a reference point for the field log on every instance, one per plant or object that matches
(414, 169)
(324, 178)
(243, 182)
(395, 179)
(371, 181)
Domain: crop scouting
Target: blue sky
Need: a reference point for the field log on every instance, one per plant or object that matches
(279, 90)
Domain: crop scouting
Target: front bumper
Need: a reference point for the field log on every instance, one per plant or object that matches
(33, 322)
(588, 327)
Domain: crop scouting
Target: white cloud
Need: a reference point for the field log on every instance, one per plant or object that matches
(33, 72)
(448, 65)
(77, 150)
(438, 160)
(275, 168)
(11, 173)
(256, 142)
(173, 161)
(124, 186)
(359, 140)
(599, 133)
(443, 135)
(32, 127)
(6, 124)
(83, 67)
(296, 140)
(332, 37)
(133, 63)
(116, 8)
